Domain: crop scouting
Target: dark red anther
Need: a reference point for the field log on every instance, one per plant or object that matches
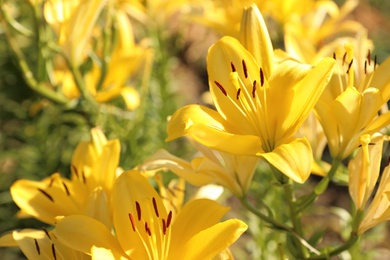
(220, 87)
(375, 63)
(132, 221)
(369, 57)
(147, 229)
(261, 77)
(164, 225)
(138, 208)
(37, 246)
(53, 251)
(334, 55)
(75, 170)
(238, 93)
(233, 67)
(254, 89)
(51, 182)
(365, 67)
(344, 57)
(244, 68)
(349, 66)
(155, 206)
(66, 188)
(169, 219)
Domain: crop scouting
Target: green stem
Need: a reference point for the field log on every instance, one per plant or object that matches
(295, 218)
(322, 186)
(353, 238)
(107, 34)
(277, 225)
(27, 74)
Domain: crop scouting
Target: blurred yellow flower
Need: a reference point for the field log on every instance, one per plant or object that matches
(234, 172)
(311, 37)
(145, 230)
(257, 114)
(94, 167)
(348, 107)
(364, 169)
(73, 21)
(40, 244)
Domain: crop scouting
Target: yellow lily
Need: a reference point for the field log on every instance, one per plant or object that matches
(324, 22)
(364, 169)
(235, 172)
(125, 61)
(40, 244)
(73, 21)
(93, 169)
(349, 107)
(257, 114)
(145, 230)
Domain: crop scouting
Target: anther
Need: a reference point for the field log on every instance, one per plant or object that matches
(75, 170)
(169, 219)
(349, 66)
(369, 57)
(37, 246)
(147, 229)
(254, 89)
(51, 182)
(164, 225)
(220, 87)
(261, 77)
(334, 55)
(138, 208)
(344, 57)
(365, 67)
(46, 232)
(375, 62)
(155, 206)
(233, 67)
(83, 176)
(132, 221)
(238, 93)
(244, 68)
(53, 251)
(66, 188)
(46, 194)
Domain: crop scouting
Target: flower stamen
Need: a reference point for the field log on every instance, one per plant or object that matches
(245, 68)
(261, 77)
(238, 93)
(66, 188)
(53, 250)
(220, 87)
(37, 246)
(132, 221)
(138, 208)
(233, 67)
(155, 206)
(254, 89)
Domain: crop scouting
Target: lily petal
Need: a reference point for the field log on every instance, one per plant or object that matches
(220, 236)
(207, 127)
(293, 159)
(82, 233)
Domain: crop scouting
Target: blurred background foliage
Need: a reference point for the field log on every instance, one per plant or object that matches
(37, 136)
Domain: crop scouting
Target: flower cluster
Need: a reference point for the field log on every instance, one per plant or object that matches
(271, 114)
